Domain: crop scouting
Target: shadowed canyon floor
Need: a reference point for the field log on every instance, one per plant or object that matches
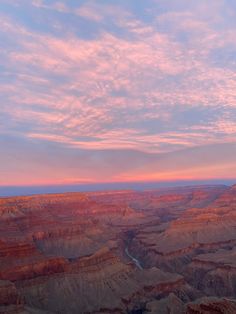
(159, 251)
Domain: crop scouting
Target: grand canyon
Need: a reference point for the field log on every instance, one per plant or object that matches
(117, 157)
(169, 250)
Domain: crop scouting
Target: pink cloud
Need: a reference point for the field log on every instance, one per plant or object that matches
(98, 68)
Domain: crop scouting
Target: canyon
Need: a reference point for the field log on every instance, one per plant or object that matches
(169, 250)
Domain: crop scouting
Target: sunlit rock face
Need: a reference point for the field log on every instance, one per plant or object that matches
(159, 251)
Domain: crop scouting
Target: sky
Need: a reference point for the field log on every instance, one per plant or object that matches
(117, 91)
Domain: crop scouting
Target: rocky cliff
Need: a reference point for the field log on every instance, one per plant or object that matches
(157, 251)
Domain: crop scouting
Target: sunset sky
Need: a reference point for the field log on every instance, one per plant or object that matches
(117, 91)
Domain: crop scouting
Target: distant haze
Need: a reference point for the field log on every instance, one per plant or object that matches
(29, 190)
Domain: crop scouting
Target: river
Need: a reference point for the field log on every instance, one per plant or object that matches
(135, 260)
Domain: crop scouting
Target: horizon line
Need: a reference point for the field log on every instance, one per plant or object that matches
(14, 191)
(60, 184)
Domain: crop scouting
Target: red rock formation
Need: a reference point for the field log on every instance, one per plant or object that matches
(66, 253)
(31, 268)
(207, 306)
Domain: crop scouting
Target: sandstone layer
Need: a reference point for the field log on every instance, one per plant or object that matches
(157, 251)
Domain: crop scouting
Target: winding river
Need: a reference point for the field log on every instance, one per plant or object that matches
(134, 260)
